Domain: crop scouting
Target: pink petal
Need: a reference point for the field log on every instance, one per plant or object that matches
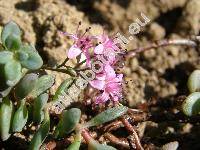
(72, 36)
(102, 98)
(115, 98)
(73, 52)
(113, 88)
(88, 61)
(101, 76)
(118, 78)
(97, 84)
(99, 49)
(110, 72)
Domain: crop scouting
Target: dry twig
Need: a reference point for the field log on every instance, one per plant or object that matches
(192, 42)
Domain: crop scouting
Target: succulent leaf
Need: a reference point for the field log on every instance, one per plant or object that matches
(106, 116)
(41, 133)
(20, 117)
(11, 35)
(12, 72)
(194, 81)
(94, 145)
(34, 60)
(42, 85)
(68, 122)
(191, 105)
(6, 110)
(26, 85)
(5, 56)
(38, 107)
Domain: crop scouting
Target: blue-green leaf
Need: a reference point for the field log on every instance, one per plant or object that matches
(191, 105)
(26, 85)
(42, 85)
(22, 55)
(62, 88)
(38, 107)
(10, 30)
(13, 42)
(94, 145)
(69, 120)
(106, 116)
(41, 133)
(5, 56)
(76, 144)
(34, 61)
(194, 81)
(12, 72)
(6, 110)
(20, 117)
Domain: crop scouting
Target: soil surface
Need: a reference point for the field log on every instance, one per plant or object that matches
(159, 74)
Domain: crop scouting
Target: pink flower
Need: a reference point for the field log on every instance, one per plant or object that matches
(109, 83)
(82, 44)
(107, 47)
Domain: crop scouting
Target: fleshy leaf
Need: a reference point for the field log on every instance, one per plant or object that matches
(76, 144)
(106, 116)
(22, 55)
(65, 85)
(5, 92)
(68, 122)
(13, 42)
(191, 105)
(34, 60)
(26, 85)
(39, 103)
(20, 117)
(41, 133)
(194, 81)
(94, 145)
(5, 56)
(3, 85)
(6, 110)
(12, 72)
(10, 30)
(42, 85)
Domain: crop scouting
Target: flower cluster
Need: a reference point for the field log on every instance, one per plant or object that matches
(99, 48)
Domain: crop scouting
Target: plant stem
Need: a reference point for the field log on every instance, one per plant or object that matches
(193, 42)
(122, 142)
(86, 135)
(130, 128)
(68, 71)
(79, 64)
(63, 63)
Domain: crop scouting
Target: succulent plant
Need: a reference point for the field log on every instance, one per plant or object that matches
(191, 105)
(20, 82)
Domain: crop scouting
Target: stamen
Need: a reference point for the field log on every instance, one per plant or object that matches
(86, 30)
(79, 24)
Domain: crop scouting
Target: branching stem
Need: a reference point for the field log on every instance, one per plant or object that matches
(192, 42)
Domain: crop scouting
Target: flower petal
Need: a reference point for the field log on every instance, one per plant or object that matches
(118, 78)
(110, 72)
(101, 76)
(73, 52)
(102, 98)
(99, 49)
(97, 84)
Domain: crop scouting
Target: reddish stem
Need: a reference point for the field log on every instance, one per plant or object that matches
(130, 128)
(86, 135)
(193, 42)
